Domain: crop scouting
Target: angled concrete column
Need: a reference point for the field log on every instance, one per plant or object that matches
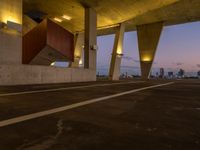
(115, 63)
(148, 38)
(78, 50)
(90, 38)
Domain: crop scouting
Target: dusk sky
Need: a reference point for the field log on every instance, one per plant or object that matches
(179, 47)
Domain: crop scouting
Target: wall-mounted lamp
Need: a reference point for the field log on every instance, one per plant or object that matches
(80, 62)
(77, 57)
(146, 59)
(94, 47)
(119, 55)
(14, 26)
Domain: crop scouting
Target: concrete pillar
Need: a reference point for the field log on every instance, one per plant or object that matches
(90, 38)
(11, 32)
(114, 72)
(148, 38)
(78, 50)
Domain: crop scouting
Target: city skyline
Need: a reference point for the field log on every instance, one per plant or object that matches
(179, 47)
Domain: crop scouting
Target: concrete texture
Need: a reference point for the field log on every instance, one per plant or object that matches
(148, 39)
(111, 13)
(90, 39)
(10, 47)
(78, 50)
(114, 71)
(11, 10)
(47, 56)
(30, 74)
(156, 119)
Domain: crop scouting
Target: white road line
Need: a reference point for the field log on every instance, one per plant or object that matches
(67, 88)
(75, 105)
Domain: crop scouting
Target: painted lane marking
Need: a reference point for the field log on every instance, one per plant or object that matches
(75, 105)
(67, 88)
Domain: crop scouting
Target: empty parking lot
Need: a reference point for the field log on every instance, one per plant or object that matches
(101, 115)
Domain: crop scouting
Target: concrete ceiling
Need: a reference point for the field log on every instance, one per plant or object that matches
(112, 12)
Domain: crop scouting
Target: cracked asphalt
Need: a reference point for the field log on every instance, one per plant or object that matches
(162, 118)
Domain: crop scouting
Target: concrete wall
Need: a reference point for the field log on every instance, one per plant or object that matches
(26, 74)
(11, 10)
(10, 47)
(11, 40)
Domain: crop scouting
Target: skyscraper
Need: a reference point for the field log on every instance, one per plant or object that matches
(162, 72)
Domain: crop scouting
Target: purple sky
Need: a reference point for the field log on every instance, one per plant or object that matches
(179, 47)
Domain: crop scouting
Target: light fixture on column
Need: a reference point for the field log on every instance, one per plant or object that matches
(119, 54)
(80, 62)
(77, 57)
(53, 64)
(146, 58)
(94, 47)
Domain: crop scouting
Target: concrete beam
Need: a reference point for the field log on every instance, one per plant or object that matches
(114, 72)
(78, 50)
(148, 38)
(90, 38)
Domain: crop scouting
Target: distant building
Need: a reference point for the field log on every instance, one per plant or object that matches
(170, 74)
(198, 74)
(162, 73)
(181, 73)
(157, 74)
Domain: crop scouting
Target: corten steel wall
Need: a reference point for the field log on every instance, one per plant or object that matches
(60, 39)
(34, 41)
(47, 33)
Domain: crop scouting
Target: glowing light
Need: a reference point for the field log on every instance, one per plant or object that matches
(57, 19)
(11, 11)
(146, 59)
(11, 18)
(80, 62)
(119, 51)
(66, 17)
(120, 55)
(53, 63)
(120, 47)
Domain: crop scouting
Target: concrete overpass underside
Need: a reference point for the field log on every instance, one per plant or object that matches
(26, 45)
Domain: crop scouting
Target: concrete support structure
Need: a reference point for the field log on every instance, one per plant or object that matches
(114, 72)
(32, 74)
(78, 50)
(90, 39)
(13, 72)
(148, 38)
